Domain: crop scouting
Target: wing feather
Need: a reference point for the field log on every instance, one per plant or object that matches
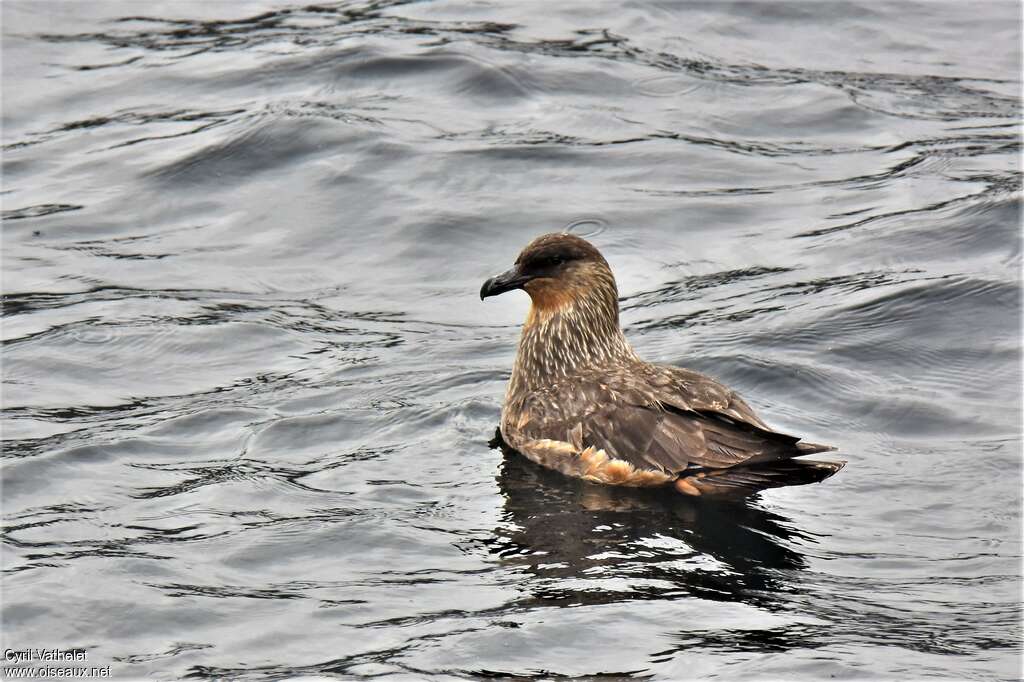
(657, 418)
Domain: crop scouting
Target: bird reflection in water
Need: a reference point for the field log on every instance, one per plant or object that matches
(587, 543)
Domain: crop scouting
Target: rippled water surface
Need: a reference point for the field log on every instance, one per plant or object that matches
(249, 386)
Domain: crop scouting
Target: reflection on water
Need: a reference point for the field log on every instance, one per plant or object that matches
(583, 543)
(247, 385)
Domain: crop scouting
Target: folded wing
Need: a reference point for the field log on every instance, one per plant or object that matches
(672, 422)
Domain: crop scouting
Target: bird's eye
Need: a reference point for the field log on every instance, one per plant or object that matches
(556, 260)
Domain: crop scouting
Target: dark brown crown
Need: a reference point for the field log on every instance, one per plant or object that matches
(556, 248)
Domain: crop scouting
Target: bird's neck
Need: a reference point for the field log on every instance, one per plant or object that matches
(559, 341)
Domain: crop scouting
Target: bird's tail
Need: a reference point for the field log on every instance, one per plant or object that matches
(742, 481)
(806, 448)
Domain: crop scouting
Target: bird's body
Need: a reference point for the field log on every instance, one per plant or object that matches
(582, 402)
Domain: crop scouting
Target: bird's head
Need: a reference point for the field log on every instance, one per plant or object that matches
(556, 270)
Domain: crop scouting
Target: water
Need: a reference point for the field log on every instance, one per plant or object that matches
(249, 387)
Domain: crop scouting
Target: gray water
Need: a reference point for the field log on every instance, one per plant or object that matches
(249, 386)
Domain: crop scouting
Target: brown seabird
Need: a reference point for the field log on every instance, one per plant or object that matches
(582, 402)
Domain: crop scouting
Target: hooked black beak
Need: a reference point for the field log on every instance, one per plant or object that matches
(506, 281)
